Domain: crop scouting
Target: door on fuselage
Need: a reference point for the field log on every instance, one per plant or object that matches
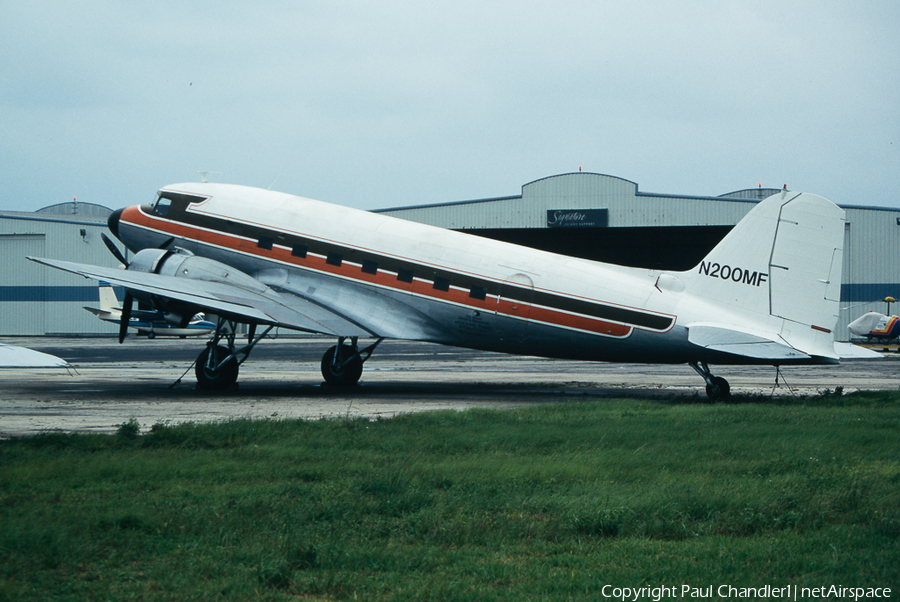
(515, 301)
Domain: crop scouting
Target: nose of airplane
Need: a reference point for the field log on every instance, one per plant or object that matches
(113, 222)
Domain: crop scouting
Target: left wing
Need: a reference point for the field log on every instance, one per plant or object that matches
(259, 306)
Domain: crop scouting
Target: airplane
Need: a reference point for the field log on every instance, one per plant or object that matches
(876, 326)
(13, 356)
(768, 293)
(151, 323)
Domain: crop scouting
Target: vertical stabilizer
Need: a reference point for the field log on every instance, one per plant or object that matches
(108, 300)
(779, 271)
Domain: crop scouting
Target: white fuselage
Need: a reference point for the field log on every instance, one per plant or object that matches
(400, 279)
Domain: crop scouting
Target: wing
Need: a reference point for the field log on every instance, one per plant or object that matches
(260, 306)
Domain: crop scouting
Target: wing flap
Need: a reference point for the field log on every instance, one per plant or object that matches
(745, 344)
(268, 307)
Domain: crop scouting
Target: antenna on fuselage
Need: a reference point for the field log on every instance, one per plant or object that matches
(203, 176)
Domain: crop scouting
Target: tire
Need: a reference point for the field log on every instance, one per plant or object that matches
(719, 390)
(348, 374)
(220, 379)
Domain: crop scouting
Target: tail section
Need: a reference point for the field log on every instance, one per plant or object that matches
(777, 274)
(108, 300)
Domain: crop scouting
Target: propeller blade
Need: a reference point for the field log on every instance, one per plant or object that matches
(167, 242)
(126, 316)
(113, 249)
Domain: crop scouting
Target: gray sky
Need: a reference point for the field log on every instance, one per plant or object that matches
(390, 103)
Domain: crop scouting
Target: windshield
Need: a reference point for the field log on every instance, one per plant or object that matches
(161, 206)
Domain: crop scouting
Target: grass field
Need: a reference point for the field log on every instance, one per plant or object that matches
(545, 503)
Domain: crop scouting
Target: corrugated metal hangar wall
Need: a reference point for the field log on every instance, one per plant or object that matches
(37, 300)
(591, 215)
(606, 218)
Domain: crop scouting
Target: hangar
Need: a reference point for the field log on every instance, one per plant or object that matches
(589, 215)
(35, 300)
(606, 218)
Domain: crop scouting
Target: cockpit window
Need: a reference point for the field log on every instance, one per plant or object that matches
(162, 205)
(181, 197)
(170, 203)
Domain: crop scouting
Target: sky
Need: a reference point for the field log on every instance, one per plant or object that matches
(394, 103)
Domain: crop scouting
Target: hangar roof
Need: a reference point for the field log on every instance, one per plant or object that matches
(85, 214)
(626, 205)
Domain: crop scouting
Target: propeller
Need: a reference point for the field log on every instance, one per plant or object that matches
(126, 316)
(114, 249)
(129, 298)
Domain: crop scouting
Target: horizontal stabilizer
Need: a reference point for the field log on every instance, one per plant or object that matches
(848, 351)
(741, 343)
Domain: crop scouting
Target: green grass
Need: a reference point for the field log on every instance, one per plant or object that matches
(549, 502)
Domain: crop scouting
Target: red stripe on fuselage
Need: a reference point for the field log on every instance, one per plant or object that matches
(352, 271)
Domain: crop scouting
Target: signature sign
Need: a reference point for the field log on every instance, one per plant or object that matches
(577, 218)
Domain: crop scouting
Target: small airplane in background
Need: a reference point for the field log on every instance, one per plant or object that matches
(768, 293)
(152, 323)
(876, 327)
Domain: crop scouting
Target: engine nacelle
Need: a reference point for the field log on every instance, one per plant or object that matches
(148, 260)
(184, 264)
(180, 263)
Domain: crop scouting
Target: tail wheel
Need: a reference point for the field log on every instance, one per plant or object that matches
(220, 377)
(718, 389)
(344, 372)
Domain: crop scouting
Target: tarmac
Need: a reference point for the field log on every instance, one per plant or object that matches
(152, 381)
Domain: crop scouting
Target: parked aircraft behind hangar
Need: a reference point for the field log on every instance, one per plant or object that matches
(766, 294)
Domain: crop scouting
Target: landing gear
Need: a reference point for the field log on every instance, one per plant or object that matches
(342, 364)
(717, 388)
(217, 366)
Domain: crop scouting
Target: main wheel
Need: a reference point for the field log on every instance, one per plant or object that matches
(223, 377)
(346, 374)
(719, 390)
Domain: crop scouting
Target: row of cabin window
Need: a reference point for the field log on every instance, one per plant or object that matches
(371, 267)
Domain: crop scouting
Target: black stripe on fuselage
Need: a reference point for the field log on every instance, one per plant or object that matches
(407, 270)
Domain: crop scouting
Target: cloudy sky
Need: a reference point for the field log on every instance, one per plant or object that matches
(391, 103)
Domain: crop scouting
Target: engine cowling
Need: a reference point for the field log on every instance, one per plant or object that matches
(184, 264)
(180, 263)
